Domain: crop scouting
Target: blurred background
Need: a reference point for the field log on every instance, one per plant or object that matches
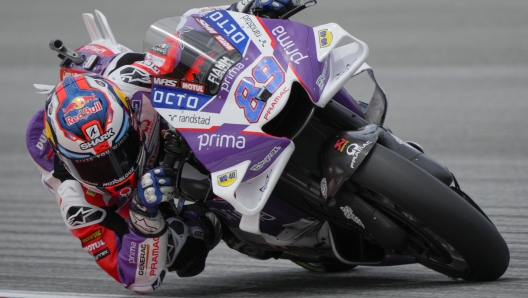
(456, 77)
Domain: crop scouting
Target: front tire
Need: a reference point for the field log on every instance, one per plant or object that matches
(447, 233)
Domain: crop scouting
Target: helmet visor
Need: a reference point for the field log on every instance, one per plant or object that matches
(110, 167)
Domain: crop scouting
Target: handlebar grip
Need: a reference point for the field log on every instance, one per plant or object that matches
(170, 159)
(175, 148)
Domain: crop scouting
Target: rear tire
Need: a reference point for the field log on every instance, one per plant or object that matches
(430, 211)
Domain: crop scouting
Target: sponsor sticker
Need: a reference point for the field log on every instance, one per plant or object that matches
(219, 70)
(354, 150)
(325, 38)
(102, 254)
(117, 181)
(227, 179)
(349, 214)
(221, 141)
(77, 110)
(97, 49)
(321, 79)
(97, 139)
(92, 236)
(224, 24)
(225, 43)
(91, 193)
(288, 46)
(83, 215)
(324, 188)
(171, 98)
(340, 145)
(193, 119)
(193, 87)
(249, 22)
(206, 26)
(137, 76)
(188, 86)
(143, 258)
(165, 82)
(275, 102)
(94, 246)
(267, 159)
(231, 75)
(162, 49)
(132, 253)
(155, 253)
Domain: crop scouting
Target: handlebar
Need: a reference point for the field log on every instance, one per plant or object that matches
(176, 150)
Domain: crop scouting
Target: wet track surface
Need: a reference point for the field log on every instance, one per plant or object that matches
(456, 75)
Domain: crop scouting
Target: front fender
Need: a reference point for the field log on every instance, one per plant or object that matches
(342, 153)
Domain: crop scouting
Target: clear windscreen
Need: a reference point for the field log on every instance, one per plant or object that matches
(159, 31)
(201, 55)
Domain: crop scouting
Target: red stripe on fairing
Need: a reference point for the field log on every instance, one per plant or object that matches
(198, 129)
(273, 41)
(301, 81)
(255, 133)
(214, 128)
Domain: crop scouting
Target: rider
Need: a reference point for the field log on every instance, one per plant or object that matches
(99, 142)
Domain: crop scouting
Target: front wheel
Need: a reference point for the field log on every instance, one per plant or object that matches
(447, 234)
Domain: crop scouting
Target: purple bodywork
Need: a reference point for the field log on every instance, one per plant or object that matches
(294, 47)
(222, 147)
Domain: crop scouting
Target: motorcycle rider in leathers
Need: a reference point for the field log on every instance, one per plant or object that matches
(99, 142)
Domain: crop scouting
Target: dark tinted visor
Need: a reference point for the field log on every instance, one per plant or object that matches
(110, 167)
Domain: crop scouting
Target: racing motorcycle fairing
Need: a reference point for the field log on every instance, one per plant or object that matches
(283, 227)
(342, 154)
(245, 72)
(344, 61)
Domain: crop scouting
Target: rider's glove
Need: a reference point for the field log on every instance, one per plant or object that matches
(272, 9)
(156, 186)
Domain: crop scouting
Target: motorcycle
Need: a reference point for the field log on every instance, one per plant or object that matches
(289, 162)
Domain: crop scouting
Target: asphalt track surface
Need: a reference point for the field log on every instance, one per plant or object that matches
(456, 74)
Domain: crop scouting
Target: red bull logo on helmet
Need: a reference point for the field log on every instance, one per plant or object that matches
(78, 108)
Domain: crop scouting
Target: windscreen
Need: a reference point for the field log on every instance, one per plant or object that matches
(190, 51)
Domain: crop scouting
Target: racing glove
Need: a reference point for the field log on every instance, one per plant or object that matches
(156, 186)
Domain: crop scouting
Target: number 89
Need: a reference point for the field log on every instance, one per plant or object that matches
(267, 72)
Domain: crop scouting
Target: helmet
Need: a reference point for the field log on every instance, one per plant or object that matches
(94, 132)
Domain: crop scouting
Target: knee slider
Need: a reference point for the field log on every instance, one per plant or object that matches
(206, 219)
(187, 249)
